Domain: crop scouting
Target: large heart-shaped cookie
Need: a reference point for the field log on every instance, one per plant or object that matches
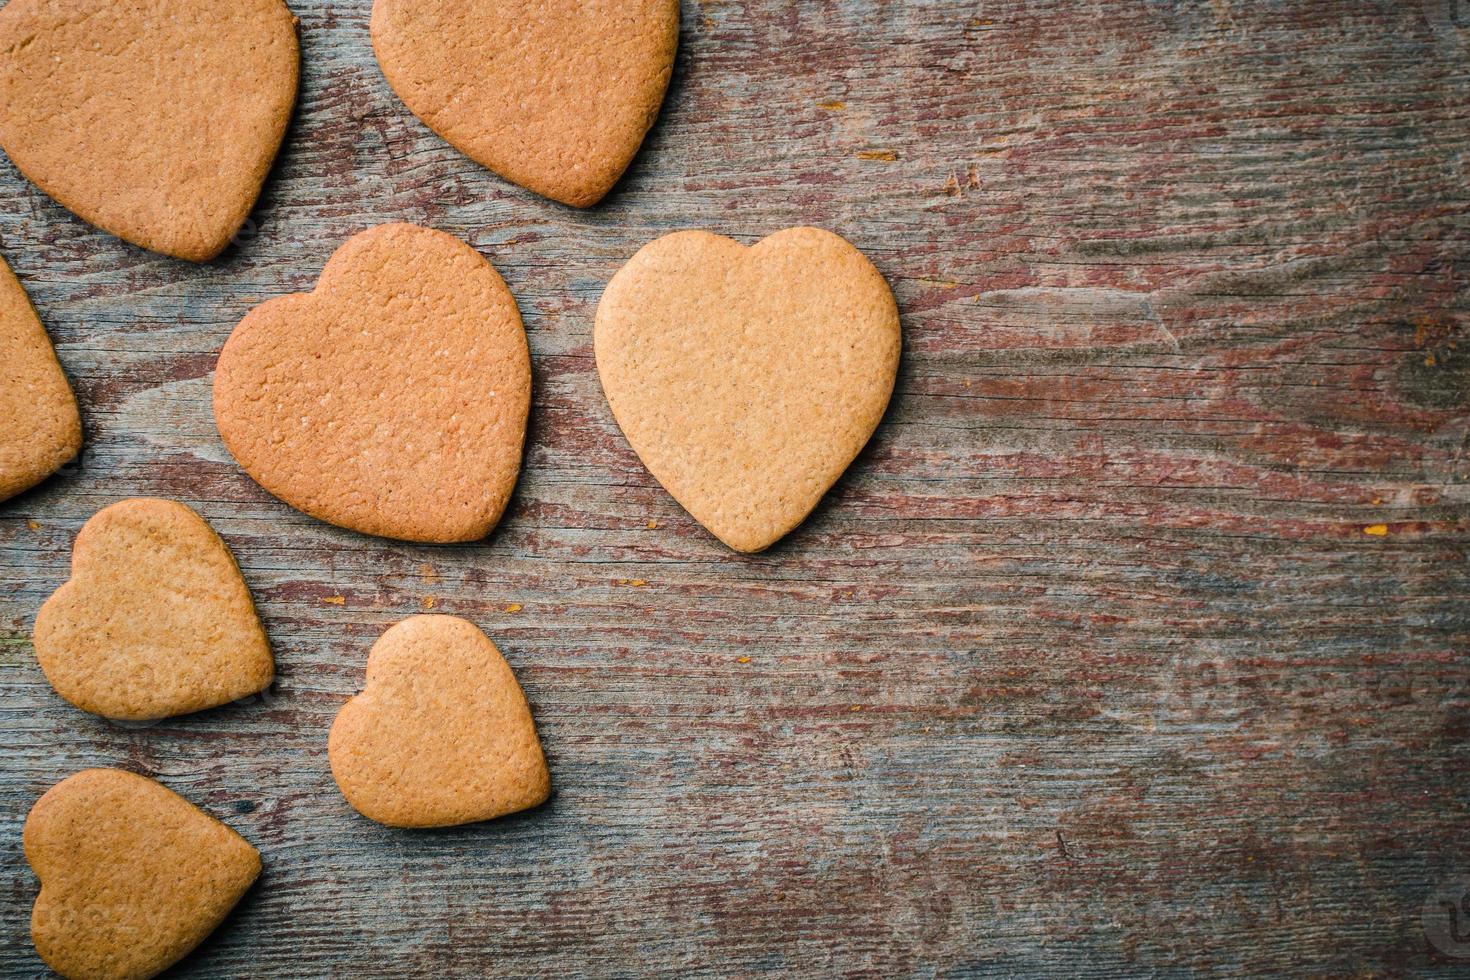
(40, 429)
(155, 120)
(441, 734)
(155, 620)
(133, 876)
(392, 400)
(555, 95)
(747, 379)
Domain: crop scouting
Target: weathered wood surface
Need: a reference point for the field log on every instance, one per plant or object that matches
(1087, 667)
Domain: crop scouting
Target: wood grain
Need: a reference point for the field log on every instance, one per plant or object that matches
(1088, 667)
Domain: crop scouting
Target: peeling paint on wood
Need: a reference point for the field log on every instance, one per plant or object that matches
(1136, 643)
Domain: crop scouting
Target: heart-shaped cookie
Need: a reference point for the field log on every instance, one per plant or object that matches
(155, 620)
(555, 95)
(392, 400)
(40, 429)
(747, 379)
(441, 734)
(133, 876)
(155, 120)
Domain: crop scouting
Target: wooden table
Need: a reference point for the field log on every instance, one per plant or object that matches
(1135, 643)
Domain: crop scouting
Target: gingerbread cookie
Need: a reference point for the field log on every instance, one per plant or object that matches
(40, 430)
(441, 734)
(555, 95)
(155, 620)
(393, 399)
(133, 876)
(155, 121)
(747, 379)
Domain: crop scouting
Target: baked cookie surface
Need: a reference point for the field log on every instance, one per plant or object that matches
(133, 876)
(747, 379)
(155, 120)
(155, 620)
(40, 429)
(554, 95)
(441, 733)
(392, 400)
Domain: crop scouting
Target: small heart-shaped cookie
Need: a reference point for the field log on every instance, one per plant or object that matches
(155, 120)
(747, 379)
(155, 620)
(555, 95)
(441, 734)
(40, 429)
(133, 876)
(393, 399)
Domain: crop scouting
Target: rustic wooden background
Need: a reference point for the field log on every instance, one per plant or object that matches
(1135, 643)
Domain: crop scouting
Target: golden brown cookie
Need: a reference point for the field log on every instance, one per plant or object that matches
(555, 95)
(155, 120)
(441, 734)
(155, 620)
(392, 400)
(133, 876)
(40, 430)
(747, 379)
